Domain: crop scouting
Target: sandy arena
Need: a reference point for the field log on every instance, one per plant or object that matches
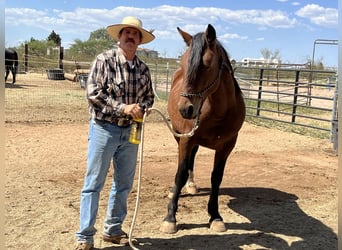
(279, 191)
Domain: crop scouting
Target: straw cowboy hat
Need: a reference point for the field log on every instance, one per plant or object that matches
(132, 22)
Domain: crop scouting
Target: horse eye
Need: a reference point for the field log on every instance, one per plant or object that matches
(205, 66)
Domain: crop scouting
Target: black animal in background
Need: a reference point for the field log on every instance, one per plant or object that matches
(11, 63)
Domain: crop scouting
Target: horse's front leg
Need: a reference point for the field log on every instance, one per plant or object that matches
(169, 222)
(216, 221)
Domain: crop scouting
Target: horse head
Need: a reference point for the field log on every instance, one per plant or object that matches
(201, 67)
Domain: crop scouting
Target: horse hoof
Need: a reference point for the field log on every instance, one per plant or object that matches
(191, 189)
(168, 227)
(170, 195)
(218, 226)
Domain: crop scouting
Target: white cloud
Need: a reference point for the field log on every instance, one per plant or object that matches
(268, 18)
(19, 16)
(237, 27)
(164, 19)
(319, 15)
(229, 36)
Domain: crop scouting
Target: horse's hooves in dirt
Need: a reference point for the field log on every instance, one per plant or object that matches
(168, 227)
(218, 226)
(191, 189)
(170, 195)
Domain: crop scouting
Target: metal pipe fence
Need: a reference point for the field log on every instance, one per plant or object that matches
(284, 95)
(287, 96)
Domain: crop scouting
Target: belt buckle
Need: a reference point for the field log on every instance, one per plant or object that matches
(123, 122)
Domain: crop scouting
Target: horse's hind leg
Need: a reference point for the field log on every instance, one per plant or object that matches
(14, 73)
(190, 185)
(7, 72)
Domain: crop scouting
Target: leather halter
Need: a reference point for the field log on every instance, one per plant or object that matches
(200, 94)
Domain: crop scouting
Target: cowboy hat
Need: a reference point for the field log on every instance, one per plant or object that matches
(132, 22)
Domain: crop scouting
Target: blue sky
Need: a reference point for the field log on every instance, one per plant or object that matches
(244, 27)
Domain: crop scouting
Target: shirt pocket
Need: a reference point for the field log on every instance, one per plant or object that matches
(116, 85)
(142, 86)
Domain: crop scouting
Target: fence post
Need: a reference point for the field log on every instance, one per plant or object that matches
(167, 80)
(260, 91)
(61, 56)
(295, 97)
(26, 58)
(334, 120)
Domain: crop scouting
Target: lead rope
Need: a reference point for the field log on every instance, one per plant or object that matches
(189, 134)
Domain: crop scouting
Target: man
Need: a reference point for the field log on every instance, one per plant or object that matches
(119, 89)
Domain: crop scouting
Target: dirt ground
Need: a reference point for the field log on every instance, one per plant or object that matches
(279, 191)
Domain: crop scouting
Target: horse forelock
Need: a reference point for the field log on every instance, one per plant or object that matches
(196, 50)
(195, 58)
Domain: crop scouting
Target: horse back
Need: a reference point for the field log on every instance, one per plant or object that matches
(11, 57)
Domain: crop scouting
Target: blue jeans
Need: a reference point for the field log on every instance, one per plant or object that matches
(107, 142)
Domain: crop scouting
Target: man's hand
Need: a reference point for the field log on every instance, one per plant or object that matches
(134, 110)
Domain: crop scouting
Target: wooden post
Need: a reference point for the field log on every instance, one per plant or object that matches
(26, 58)
(61, 55)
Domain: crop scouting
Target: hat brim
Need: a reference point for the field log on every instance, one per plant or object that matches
(113, 31)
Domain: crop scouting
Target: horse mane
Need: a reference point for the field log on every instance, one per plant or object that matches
(227, 60)
(196, 52)
(197, 46)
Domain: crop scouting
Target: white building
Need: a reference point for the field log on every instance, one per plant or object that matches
(250, 62)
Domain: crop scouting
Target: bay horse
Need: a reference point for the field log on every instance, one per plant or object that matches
(204, 91)
(11, 63)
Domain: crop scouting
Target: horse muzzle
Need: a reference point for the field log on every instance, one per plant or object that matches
(188, 109)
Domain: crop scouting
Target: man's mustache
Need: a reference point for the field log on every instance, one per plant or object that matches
(130, 40)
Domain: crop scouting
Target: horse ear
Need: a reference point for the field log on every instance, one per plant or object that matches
(186, 37)
(210, 34)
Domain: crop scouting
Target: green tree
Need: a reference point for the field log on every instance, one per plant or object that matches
(55, 38)
(38, 47)
(100, 34)
(98, 41)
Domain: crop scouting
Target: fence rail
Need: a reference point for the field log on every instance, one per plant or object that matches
(296, 96)
(289, 97)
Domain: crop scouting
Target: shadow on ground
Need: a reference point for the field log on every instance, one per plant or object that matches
(274, 219)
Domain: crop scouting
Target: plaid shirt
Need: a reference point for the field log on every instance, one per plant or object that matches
(112, 84)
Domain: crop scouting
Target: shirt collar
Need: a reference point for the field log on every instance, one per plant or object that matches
(123, 59)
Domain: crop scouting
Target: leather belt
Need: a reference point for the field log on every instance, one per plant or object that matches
(120, 122)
